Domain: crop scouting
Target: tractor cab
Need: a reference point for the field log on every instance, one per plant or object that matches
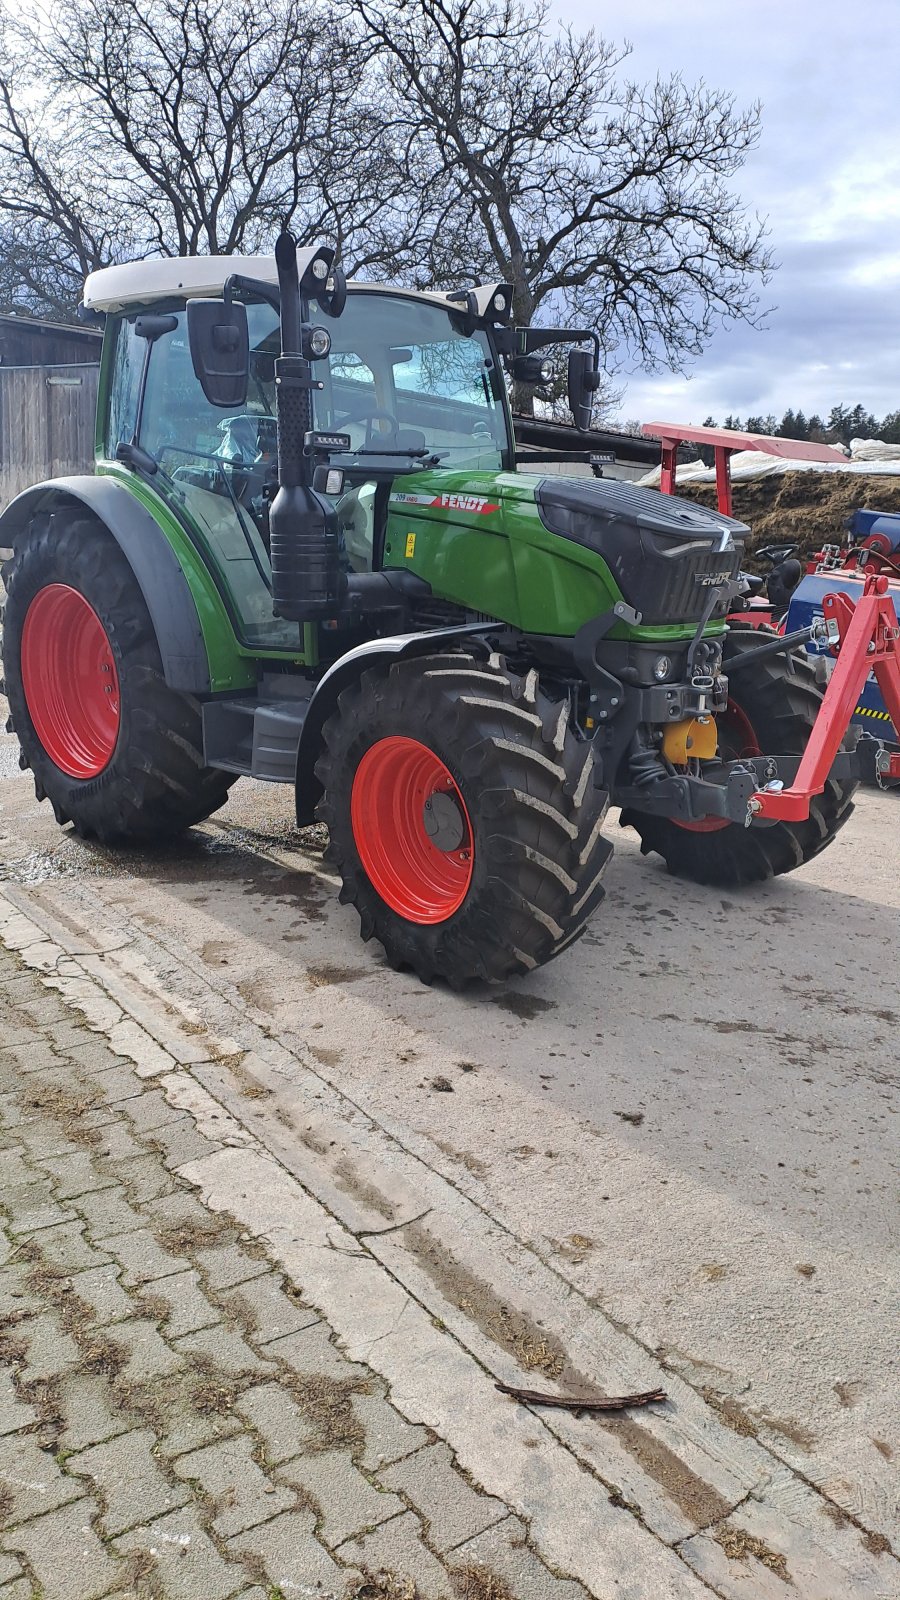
(402, 380)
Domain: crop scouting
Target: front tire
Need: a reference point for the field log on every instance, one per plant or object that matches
(463, 817)
(772, 708)
(113, 748)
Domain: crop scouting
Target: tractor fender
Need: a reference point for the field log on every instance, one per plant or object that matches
(151, 558)
(345, 671)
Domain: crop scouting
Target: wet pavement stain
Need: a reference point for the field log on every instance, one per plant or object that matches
(326, 973)
(526, 1006)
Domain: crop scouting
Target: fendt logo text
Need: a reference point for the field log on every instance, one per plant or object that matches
(449, 502)
(467, 502)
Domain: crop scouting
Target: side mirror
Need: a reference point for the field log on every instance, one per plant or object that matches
(584, 381)
(220, 349)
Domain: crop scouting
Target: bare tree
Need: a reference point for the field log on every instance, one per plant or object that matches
(176, 127)
(433, 140)
(528, 156)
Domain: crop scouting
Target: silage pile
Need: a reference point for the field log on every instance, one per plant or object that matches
(807, 508)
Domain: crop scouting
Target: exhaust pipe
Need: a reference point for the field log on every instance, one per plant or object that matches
(308, 582)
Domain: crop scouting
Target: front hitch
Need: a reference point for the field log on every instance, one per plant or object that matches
(739, 793)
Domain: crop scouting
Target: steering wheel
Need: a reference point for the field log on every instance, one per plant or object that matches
(371, 414)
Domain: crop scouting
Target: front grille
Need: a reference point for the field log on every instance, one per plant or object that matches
(667, 585)
(659, 549)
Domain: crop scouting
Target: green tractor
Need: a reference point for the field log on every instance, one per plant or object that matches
(306, 555)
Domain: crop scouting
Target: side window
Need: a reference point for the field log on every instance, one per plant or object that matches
(176, 413)
(128, 361)
(181, 429)
(216, 465)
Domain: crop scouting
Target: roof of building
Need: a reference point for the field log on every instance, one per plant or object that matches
(544, 433)
(42, 326)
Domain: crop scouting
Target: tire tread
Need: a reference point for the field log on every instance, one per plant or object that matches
(157, 783)
(536, 816)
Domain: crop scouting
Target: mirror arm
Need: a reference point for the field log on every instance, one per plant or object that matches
(263, 291)
(150, 328)
(539, 338)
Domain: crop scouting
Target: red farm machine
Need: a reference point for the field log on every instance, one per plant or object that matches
(844, 609)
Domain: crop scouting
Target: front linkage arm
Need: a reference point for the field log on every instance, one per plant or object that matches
(869, 640)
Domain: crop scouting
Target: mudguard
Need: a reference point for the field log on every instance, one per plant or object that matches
(150, 556)
(345, 671)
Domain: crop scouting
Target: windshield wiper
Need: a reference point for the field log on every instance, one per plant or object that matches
(419, 455)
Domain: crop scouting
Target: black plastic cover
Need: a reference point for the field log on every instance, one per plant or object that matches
(664, 553)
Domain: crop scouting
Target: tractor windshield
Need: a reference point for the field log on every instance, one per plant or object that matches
(399, 367)
(399, 376)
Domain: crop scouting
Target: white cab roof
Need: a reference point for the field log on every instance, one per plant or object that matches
(161, 277)
(168, 277)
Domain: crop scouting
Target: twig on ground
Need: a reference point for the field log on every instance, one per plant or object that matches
(570, 1402)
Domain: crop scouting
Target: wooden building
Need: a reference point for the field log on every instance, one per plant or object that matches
(48, 393)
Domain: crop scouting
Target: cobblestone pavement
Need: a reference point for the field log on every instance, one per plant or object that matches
(174, 1422)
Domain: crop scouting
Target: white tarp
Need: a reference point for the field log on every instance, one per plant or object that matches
(873, 450)
(754, 464)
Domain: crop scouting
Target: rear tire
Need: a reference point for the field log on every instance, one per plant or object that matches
(780, 699)
(525, 822)
(144, 776)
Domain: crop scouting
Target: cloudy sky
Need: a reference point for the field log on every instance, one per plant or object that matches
(827, 176)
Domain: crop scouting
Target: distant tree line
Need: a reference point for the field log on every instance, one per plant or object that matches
(843, 424)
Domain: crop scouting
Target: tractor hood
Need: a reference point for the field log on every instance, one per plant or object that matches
(548, 554)
(664, 553)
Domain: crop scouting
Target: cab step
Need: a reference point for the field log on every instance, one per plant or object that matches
(256, 738)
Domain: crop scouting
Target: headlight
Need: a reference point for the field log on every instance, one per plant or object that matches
(499, 303)
(319, 342)
(662, 666)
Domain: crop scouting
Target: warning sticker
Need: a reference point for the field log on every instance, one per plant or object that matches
(410, 545)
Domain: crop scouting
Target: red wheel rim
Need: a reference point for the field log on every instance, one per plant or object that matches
(394, 783)
(737, 738)
(70, 681)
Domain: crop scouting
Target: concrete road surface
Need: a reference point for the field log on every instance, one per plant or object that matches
(669, 1158)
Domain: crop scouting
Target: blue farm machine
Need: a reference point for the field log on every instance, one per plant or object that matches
(843, 609)
(872, 547)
